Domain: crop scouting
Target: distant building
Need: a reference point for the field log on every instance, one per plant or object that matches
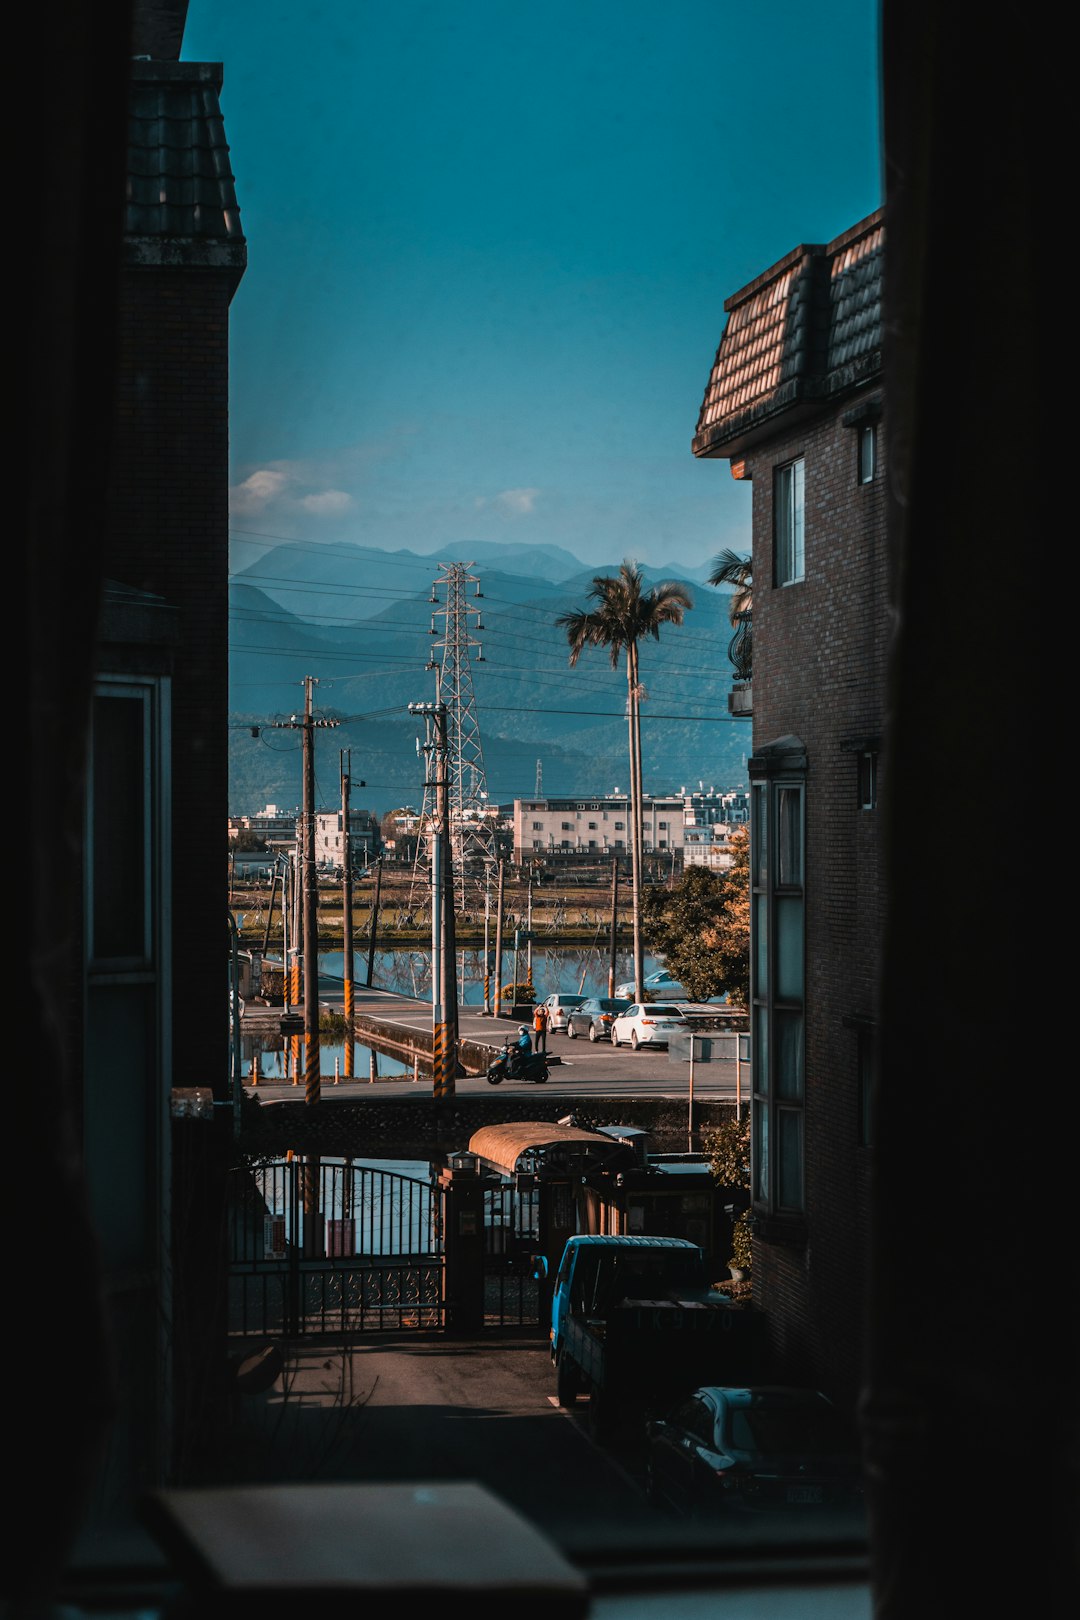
(705, 807)
(330, 838)
(276, 828)
(595, 828)
(708, 846)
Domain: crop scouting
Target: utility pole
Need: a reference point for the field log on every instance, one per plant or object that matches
(374, 918)
(444, 1008)
(487, 945)
(499, 944)
(346, 911)
(614, 933)
(528, 933)
(306, 724)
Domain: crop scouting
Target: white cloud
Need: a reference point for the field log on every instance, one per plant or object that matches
(518, 501)
(330, 501)
(255, 492)
(278, 487)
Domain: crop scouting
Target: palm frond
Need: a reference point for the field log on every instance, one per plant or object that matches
(731, 568)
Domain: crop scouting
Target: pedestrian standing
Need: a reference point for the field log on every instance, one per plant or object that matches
(540, 1028)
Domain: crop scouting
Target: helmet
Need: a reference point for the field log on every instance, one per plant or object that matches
(522, 1029)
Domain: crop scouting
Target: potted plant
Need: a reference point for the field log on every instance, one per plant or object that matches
(521, 999)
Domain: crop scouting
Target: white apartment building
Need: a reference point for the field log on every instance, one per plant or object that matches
(596, 826)
(330, 838)
(708, 807)
(708, 846)
(276, 826)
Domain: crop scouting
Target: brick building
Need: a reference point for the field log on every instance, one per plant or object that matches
(152, 985)
(794, 404)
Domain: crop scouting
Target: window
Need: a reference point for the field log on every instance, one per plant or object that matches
(788, 523)
(538, 826)
(619, 826)
(867, 779)
(867, 441)
(567, 826)
(777, 981)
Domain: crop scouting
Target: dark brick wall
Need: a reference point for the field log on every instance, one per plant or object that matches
(820, 651)
(168, 534)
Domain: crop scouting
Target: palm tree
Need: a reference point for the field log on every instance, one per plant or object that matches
(621, 615)
(729, 568)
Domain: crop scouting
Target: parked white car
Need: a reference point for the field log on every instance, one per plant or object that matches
(557, 1007)
(650, 1024)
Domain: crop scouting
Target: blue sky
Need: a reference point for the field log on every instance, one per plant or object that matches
(489, 248)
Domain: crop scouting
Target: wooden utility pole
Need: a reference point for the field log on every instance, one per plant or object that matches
(312, 1074)
(499, 944)
(306, 725)
(347, 911)
(614, 933)
(374, 919)
(444, 1008)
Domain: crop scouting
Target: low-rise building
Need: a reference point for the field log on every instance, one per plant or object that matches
(330, 838)
(597, 827)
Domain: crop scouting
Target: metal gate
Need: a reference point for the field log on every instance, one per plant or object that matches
(332, 1248)
(512, 1237)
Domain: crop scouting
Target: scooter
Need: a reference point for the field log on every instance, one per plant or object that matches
(514, 1064)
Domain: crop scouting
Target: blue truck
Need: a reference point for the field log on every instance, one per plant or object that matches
(636, 1324)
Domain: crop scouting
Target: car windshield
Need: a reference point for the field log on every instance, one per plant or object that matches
(805, 1428)
(662, 1012)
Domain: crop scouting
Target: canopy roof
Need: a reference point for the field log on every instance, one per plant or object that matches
(503, 1145)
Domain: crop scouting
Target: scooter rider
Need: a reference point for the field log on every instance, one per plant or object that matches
(521, 1050)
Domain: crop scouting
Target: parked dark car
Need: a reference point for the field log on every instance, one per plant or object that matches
(765, 1449)
(595, 1017)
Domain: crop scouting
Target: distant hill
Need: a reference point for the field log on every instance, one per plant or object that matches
(360, 621)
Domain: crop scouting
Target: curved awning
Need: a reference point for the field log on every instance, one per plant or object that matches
(502, 1146)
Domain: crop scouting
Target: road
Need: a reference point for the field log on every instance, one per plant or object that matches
(415, 1407)
(581, 1069)
(576, 1067)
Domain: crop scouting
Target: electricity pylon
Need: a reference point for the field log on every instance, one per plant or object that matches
(472, 834)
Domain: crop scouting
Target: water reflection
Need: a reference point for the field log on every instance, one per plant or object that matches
(580, 970)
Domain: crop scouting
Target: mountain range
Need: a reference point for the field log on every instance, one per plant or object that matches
(367, 625)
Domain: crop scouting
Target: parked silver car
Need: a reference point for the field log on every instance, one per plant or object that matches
(558, 1007)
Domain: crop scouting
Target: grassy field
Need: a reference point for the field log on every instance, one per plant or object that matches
(561, 910)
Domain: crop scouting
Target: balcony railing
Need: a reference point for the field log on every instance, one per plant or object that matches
(741, 656)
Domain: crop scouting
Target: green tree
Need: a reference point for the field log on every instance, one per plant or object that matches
(701, 927)
(728, 1150)
(622, 614)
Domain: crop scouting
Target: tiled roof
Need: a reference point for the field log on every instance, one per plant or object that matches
(808, 329)
(181, 200)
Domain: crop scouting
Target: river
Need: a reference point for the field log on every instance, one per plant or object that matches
(578, 970)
